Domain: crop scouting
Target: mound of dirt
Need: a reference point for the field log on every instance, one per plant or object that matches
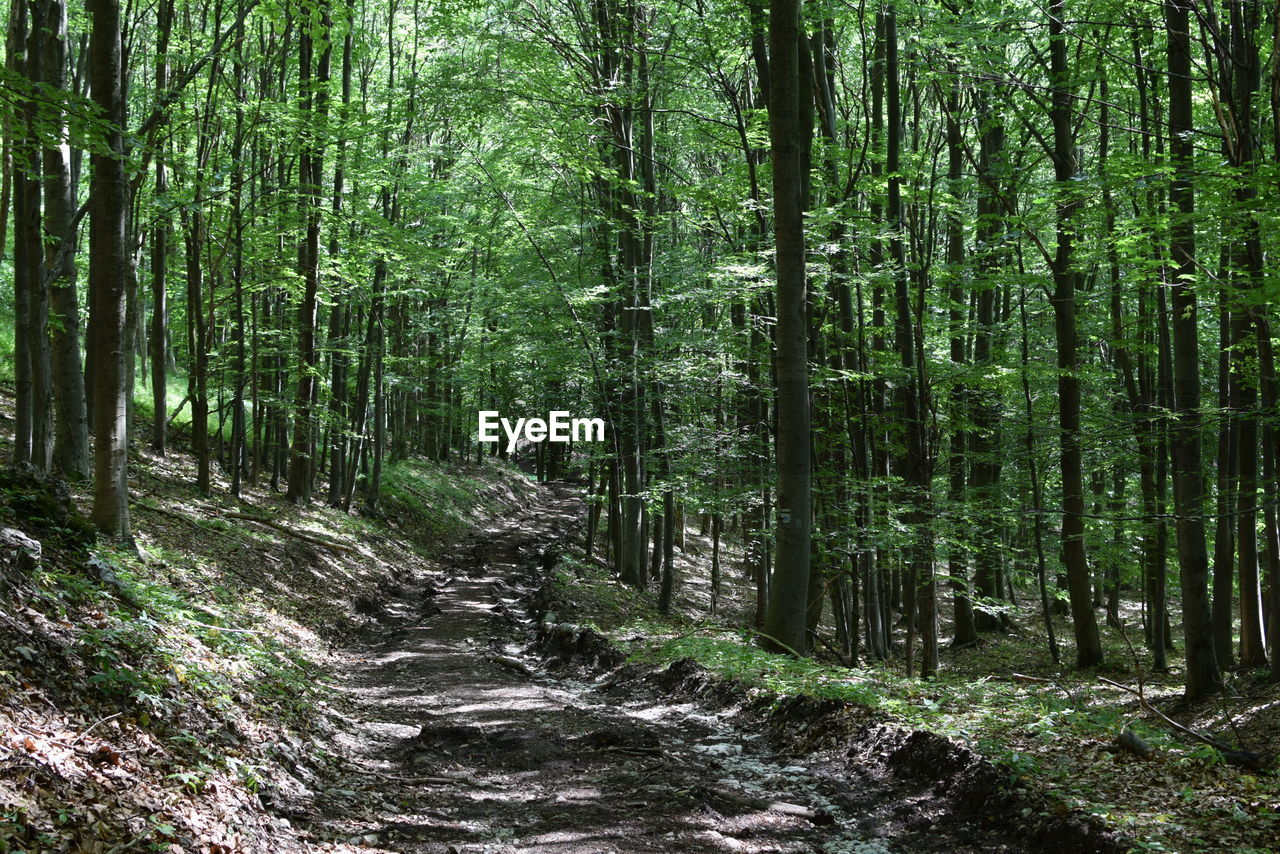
(918, 787)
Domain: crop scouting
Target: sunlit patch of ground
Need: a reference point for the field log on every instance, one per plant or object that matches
(1055, 734)
(508, 757)
(172, 696)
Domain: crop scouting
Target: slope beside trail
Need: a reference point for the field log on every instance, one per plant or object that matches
(457, 740)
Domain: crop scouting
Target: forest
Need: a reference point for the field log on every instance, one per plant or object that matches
(918, 329)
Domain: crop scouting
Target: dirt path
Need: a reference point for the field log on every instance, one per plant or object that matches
(461, 743)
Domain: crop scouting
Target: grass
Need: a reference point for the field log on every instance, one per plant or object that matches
(6, 340)
(443, 500)
(175, 393)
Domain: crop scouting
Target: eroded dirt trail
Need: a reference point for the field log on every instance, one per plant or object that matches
(458, 740)
(461, 743)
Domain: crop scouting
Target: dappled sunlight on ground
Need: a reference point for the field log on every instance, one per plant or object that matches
(460, 739)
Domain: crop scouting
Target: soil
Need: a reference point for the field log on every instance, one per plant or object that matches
(474, 722)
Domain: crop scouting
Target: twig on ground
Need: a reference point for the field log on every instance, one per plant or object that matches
(94, 726)
(770, 805)
(1231, 756)
(1039, 680)
(190, 520)
(285, 529)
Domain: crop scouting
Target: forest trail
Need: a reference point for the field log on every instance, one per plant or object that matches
(461, 742)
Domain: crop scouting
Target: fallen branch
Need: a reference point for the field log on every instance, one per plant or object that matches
(182, 517)
(844, 662)
(181, 404)
(1243, 758)
(94, 726)
(285, 529)
(770, 805)
(774, 640)
(1041, 680)
(232, 629)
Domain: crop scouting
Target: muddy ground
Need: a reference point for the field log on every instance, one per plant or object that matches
(475, 722)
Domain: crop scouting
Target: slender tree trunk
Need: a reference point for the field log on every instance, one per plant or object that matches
(28, 256)
(160, 254)
(71, 443)
(984, 480)
(1244, 79)
(1037, 497)
(785, 619)
(238, 425)
(26, 241)
(197, 339)
(1088, 643)
(108, 274)
(965, 632)
(313, 90)
(1158, 561)
(1188, 475)
(1224, 539)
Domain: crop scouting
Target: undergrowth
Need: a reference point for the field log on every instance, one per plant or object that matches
(438, 502)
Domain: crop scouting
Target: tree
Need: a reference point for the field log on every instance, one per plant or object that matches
(49, 51)
(160, 252)
(313, 87)
(108, 274)
(1085, 624)
(785, 621)
(1188, 474)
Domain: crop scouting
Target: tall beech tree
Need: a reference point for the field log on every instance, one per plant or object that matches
(49, 53)
(786, 620)
(314, 63)
(1188, 475)
(108, 273)
(1065, 289)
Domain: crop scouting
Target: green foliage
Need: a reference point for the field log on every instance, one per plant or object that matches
(735, 656)
(6, 329)
(437, 503)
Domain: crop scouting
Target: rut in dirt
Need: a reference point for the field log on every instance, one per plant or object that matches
(463, 742)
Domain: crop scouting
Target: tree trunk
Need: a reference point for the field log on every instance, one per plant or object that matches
(1075, 561)
(160, 254)
(965, 632)
(26, 242)
(1188, 476)
(108, 274)
(1224, 538)
(785, 619)
(71, 443)
(238, 426)
(1244, 79)
(313, 90)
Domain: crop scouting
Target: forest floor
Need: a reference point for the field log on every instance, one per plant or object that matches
(317, 682)
(470, 733)
(256, 677)
(1051, 729)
